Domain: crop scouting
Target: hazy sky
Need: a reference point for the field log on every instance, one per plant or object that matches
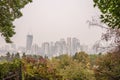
(50, 20)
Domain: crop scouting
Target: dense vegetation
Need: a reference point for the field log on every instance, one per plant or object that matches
(81, 66)
(8, 68)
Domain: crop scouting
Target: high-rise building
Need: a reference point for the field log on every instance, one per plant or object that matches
(35, 49)
(69, 46)
(46, 49)
(58, 48)
(75, 45)
(52, 49)
(63, 46)
(29, 42)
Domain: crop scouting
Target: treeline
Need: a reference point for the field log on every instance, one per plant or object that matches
(81, 66)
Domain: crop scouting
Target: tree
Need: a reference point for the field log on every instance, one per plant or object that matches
(12, 56)
(93, 58)
(110, 15)
(82, 57)
(8, 56)
(24, 55)
(110, 12)
(75, 71)
(73, 68)
(110, 40)
(40, 69)
(9, 11)
(17, 55)
(9, 68)
(64, 60)
(108, 67)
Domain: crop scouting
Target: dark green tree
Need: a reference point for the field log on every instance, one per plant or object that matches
(110, 12)
(17, 55)
(24, 55)
(82, 57)
(9, 11)
(12, 56)
(8, 56)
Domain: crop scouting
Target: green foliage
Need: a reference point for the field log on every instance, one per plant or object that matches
(64, 60)
(93, 58)
(8, 67)
(108, 67)
(82, 58)
(81, 66)
(76, 71)
(110, 12)
(9, 11)
(39, 69)
(73, 68)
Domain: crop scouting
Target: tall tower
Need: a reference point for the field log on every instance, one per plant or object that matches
(69, 45)
(75, 45)
(46, 49)
(29, 41)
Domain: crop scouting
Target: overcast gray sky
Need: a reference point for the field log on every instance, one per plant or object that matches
(50, 20)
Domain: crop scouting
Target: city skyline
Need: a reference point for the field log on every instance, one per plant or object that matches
(55, 19)
(63, 46)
